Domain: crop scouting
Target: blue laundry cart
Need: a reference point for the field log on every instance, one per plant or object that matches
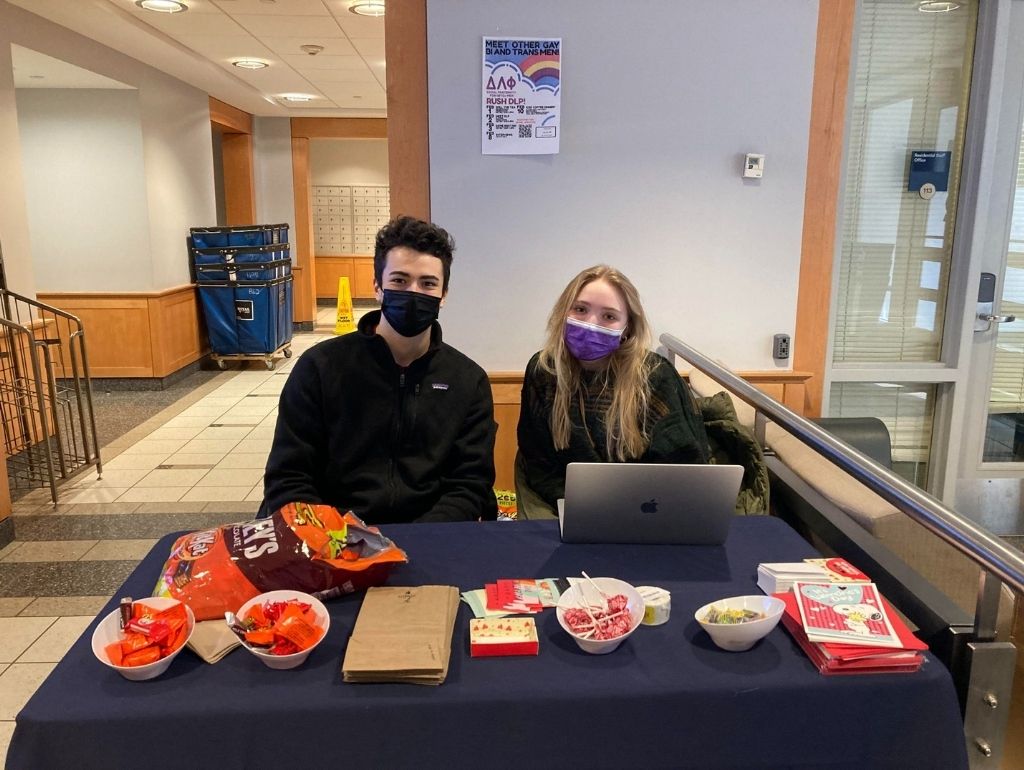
(245, 288)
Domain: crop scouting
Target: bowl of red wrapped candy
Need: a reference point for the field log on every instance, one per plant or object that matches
(281, 628)
(153, 632)
(599, 613)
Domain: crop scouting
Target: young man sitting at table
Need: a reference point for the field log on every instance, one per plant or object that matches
(389, 421)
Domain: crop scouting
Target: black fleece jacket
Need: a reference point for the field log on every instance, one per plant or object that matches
(357, 431)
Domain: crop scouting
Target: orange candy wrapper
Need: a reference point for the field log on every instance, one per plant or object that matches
(150, 635)
(305, 547)
(282, 627)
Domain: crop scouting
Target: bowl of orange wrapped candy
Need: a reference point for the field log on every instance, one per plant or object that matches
(140, 639)
(281, 628)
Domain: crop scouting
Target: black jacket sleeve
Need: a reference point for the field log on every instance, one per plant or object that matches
(545, 472)
(467, 486)
(299, 451)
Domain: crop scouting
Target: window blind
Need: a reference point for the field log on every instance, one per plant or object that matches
(1007, 393)
(910, 87)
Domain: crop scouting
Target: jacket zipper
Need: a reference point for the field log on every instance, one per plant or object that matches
(396, 433)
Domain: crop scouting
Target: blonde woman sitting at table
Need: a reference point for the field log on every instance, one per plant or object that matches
(596, 393)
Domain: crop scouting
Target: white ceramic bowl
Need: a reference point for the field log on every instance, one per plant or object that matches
(583, 590)
(109, 631)
(296, 658)
(737, 637)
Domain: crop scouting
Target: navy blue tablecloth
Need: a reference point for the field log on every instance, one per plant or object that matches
(666, 697)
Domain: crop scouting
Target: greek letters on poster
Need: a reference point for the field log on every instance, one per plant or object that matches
(522, 97)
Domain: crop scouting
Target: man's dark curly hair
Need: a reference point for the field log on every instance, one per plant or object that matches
(424, 237)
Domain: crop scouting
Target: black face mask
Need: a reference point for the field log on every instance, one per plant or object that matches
(408, 312)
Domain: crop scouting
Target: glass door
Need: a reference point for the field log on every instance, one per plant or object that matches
(990, 472)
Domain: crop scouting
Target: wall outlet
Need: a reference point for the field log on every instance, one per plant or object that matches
(780, 347)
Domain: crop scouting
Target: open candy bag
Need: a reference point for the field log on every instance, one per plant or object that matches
(305, 547)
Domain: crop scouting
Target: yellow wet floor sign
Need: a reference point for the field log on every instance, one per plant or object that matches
(346, 323)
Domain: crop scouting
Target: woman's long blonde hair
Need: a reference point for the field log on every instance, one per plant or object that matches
(626, 374)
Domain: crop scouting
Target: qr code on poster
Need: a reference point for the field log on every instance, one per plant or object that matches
(525, 132)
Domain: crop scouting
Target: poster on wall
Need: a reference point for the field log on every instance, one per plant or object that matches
(522, 97)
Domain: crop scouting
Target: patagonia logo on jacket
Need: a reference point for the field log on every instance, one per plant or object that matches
(439, 385)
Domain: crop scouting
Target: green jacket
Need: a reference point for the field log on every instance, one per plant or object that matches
(734, 444)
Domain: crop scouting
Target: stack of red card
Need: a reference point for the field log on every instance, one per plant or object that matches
(840, 658)
(522, 596)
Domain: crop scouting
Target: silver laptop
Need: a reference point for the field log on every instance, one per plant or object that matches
(648, 503)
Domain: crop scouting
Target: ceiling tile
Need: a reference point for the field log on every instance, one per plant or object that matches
(339, 76)
(336, 46)
(223, 48)
(289, 26)
(304, 63)
(275, 8)
(347, 90)
(200, 24)
(369, 46)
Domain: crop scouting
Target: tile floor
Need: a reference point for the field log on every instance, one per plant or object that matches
(195, 464)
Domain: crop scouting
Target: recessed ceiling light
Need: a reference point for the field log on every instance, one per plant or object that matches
(937, 6)
(162, 6)
(296, 97)
(368, 8)
(250, 64)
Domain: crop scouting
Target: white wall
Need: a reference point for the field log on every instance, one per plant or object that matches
(85, 188)
(176, 146)
(272, 172)
(14, 234)
(348, 161)
(660, 100)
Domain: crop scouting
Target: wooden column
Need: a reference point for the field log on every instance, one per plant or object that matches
(239, 186)
(304, 268)
(405, 41)
(821, 197)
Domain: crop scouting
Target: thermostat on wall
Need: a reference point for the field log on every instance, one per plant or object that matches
(753, 166)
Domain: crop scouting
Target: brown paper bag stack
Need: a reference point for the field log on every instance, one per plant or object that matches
(402, 635)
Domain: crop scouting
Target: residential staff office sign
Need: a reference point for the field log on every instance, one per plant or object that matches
(522, 98)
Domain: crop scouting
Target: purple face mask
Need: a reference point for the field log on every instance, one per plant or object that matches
(589, 342)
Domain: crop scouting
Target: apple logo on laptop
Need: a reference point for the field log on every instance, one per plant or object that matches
(651, 506)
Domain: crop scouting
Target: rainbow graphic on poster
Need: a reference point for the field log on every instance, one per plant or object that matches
(522, 80)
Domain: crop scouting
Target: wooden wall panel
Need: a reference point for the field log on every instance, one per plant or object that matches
(405, 41)
(175, 330)
(135, 334)
(328, 271)
(358, 270)
(821, 197)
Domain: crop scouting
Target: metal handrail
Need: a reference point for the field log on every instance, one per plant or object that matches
(982, 547)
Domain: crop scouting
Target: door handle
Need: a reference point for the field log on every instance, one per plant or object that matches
(999, 319)
(987, 319)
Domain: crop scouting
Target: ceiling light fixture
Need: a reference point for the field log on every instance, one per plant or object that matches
(368, 8)
(296, 97)
(937, 6)
(162, 6)
(311, 48)
(250, 64)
